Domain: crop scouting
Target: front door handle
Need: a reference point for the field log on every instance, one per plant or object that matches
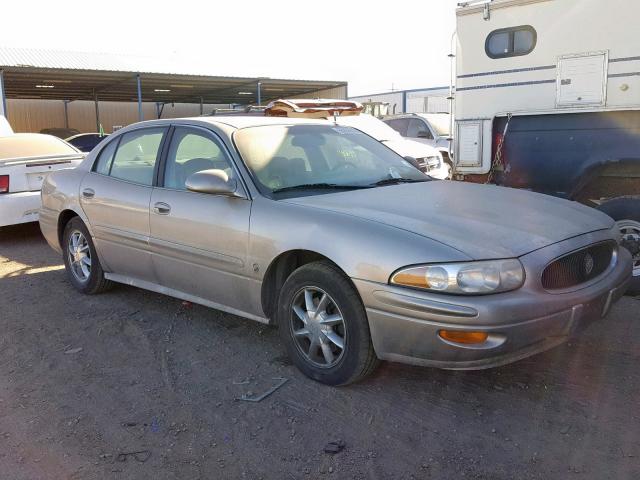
(88, 193)
(162, 208)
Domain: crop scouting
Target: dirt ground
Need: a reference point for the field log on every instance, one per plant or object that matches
(85, 380)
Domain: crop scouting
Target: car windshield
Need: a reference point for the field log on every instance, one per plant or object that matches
(440, 123)
(316, 158)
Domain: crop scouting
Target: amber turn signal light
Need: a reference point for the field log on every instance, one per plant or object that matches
(458, 336)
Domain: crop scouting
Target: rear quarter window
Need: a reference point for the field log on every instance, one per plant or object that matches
(105, 158)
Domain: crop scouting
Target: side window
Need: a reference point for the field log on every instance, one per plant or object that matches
(192, 151)
(511, 42)
(399, 125)
(418, 129)
(103, 165)
(137, 154)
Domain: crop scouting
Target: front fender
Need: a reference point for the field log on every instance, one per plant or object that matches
(363, 249)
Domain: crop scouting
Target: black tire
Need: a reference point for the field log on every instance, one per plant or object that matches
(357, 359)
(95, 282)
(447, 160)
(623, 209)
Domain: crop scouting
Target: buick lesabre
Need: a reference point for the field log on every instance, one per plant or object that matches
(349, 249)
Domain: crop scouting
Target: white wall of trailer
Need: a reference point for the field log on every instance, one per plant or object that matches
(587, 37)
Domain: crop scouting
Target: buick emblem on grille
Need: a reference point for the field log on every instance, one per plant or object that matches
(588, 264)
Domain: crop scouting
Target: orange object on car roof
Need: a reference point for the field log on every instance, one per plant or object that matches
(312, 108)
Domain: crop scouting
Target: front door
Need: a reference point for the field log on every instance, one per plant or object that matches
(200, 241)
(115, 196)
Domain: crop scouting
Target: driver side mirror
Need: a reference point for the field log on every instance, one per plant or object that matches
(214, 181)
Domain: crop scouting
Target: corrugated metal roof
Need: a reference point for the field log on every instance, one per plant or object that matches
(25, 57)
(170, 64)
(66, 75)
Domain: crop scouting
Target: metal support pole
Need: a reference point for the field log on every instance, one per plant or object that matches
(259, 93)
(66, 113)
(140, 114)
(3, 100)
(404, 101)
(95, 99)
(201, 106)
(158, 112)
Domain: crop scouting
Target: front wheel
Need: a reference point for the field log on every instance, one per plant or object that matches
(626, 212)
(324, 326)
(448, 164)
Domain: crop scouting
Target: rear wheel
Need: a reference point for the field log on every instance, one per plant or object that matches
(81, 260)
(626, 212)
(324, 325)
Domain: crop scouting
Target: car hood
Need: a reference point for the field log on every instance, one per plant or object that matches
(481, 221)
(410, 148)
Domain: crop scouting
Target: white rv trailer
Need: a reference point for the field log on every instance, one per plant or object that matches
(585, 57)
(547, 97)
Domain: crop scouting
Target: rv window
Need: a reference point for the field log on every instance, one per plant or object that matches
(510, 42)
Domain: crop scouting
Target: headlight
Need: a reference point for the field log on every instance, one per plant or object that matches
(467, 278)
(434, 162)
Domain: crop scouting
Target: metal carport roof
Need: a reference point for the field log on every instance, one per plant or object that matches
(61, 75)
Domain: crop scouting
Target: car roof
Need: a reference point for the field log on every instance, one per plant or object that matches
(253, 121)
(233, 121)
(21, 145)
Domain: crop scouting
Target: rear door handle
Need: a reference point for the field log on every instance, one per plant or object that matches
(162, 208)
(88, 193)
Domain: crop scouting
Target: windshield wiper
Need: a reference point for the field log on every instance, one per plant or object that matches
(394, 181)
(311, 186)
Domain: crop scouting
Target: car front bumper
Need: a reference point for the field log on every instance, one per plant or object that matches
(440, 173)
(19, 207)
(404, 323)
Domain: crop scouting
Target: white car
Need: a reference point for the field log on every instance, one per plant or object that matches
(428, 128)
(429, 158)
(25, 159)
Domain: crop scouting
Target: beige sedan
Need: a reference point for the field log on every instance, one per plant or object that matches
(342, 243)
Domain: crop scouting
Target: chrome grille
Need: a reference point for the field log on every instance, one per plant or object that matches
(578, 267)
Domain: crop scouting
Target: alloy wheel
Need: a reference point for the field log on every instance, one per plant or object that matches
(79, 255)
(318, 327)
(630, 239)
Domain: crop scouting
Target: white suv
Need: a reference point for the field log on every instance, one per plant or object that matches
(429, 128)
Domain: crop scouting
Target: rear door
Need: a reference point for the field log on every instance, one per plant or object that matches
(115, 196)
(200, 241)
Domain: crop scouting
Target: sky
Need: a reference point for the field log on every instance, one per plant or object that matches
(375, 46)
